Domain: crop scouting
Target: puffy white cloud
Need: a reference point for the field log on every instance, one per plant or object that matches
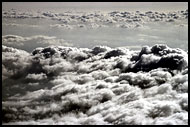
(68, 85)
(14, 61)
(36, 76)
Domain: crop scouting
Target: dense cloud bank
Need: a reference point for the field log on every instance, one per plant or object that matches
(68, 85)
(97, 19)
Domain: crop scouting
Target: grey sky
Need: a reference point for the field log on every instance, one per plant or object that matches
(144, 6)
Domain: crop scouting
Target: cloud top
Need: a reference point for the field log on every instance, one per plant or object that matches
(102, 85)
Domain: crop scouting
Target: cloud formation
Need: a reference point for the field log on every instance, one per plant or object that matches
(32, 42)
(95, 20)
(102, 85)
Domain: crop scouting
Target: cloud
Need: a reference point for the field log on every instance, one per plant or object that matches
(93, 20)
(14, 61)
(36, 76)
(20, 25)
(69, 85)
(61, 26)
(159, 56)
(32, 42)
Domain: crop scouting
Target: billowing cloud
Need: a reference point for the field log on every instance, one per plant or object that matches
(102, 85)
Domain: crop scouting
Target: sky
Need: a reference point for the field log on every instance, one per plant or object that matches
(97, 5)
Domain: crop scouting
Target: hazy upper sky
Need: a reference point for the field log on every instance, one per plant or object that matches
(132, 6)
(94, 32)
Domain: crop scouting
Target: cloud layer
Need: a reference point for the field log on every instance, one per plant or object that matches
(28, 43)
(102, 85)
(122, 19)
